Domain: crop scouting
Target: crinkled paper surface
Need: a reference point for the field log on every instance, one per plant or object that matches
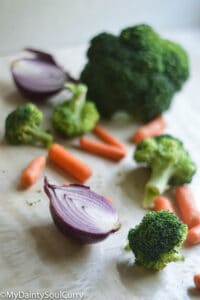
(34, 256)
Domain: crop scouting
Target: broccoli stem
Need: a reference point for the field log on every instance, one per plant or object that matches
(77, 101)
(127, 247)
(178, 257)
(41, 136)
(157, 184)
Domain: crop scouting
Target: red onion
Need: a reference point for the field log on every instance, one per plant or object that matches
(38, 77)
(81, 213)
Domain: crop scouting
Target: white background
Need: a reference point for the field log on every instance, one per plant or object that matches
(63, 23)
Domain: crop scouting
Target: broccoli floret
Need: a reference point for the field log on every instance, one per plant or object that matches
(157, 239)
(76, 116)
(170, 164)
(22, 126)
(137, 72)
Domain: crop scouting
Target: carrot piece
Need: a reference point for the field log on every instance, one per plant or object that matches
(102, 149)
(32, 172)
(151, 129)
(193, 236)
(190, 213)
(107, 137)
(197, 280)
(163, 203)
(69, 163)
(66, 183)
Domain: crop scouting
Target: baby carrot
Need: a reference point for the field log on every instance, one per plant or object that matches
(32, 172)
(190, 214)
(197, 280)
(102, 149)
(107, 137)
(69, 163)
(151, 129)
(163, 203)
(193, 236)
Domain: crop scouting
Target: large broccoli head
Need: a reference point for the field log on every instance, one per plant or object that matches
(76, 116)
(170, 164)
(157, 239)
(22, 126)
(137, 72)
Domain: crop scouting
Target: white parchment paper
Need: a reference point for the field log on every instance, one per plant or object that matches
(34, 256)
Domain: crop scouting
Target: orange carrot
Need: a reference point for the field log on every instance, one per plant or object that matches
(163, 203)
(151, 129)
(193, 236)
(190, 213)
(197, 280)
(102, 149)
(107, 137)
(32, 172)
(69, 163)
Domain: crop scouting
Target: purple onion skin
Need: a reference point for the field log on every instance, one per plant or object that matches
(69, 231)
(49, 58)
(82, 237)
(37, 95)
(42, 55)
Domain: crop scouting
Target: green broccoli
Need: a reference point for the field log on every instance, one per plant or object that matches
(22, 126)
(137, 72)
(170, 164)
(157, 239)
(76, 116)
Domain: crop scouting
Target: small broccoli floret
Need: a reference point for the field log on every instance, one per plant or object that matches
(76, 116)
(137, 72)
(170, 164)
(22, 126)
(157, 239)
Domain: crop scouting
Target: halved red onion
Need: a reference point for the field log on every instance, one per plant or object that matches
(39, 76)
(81, 213)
